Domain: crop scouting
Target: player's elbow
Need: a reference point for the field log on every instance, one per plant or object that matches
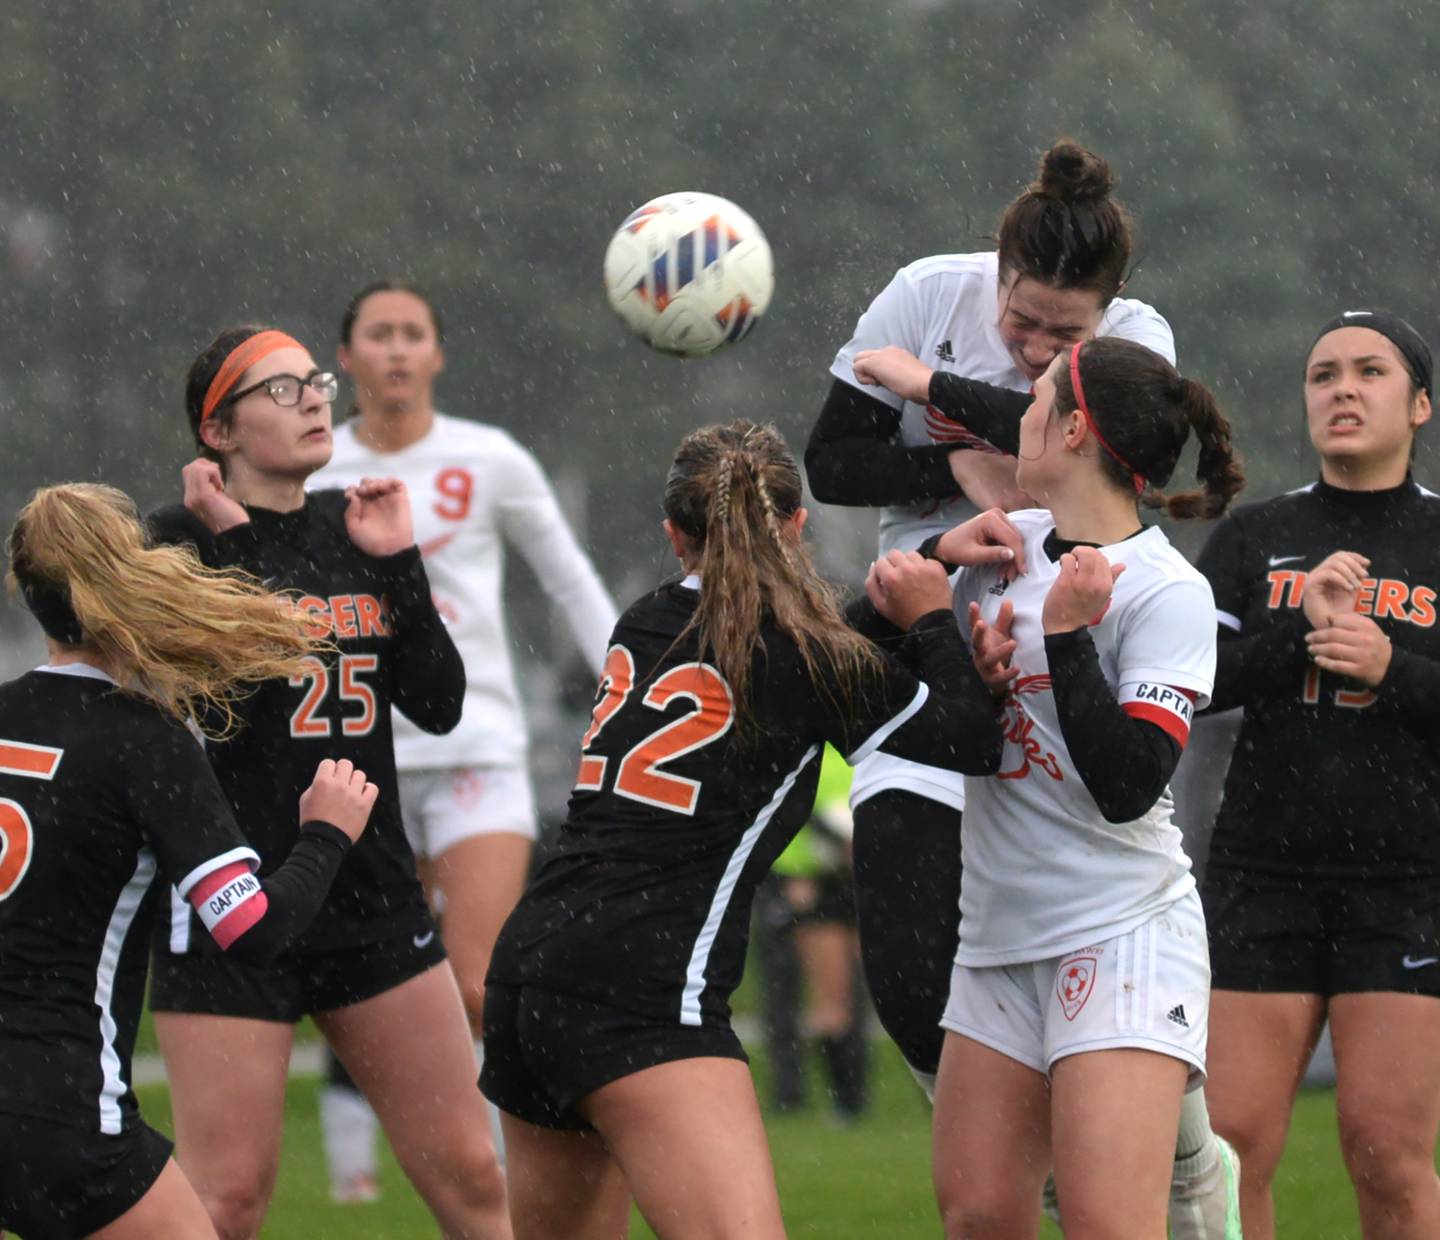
(825, 474)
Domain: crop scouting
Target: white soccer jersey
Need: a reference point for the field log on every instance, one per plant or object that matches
(473, 489)
(1044, 872)
(945, 311)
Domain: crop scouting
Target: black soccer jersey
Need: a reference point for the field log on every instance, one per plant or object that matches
(680, 809)
(1329, 776)
(392, 650)
(99, 795)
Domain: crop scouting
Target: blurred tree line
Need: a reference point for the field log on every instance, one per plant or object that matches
(172, 168)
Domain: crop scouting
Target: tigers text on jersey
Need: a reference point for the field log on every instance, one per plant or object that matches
(473, 489)
(945, 311)
(1329, 776)
(99, 792)
(1044, 872)
(678, 813)
(391, 648)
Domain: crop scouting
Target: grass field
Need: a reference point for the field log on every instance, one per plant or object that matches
(871, 1180)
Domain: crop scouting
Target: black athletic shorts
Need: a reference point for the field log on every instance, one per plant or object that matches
(291, 986)
(545, 1051)
(59, 1181)
(1322, 936)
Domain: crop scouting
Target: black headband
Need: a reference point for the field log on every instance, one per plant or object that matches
(50, 605)
(1397, 331)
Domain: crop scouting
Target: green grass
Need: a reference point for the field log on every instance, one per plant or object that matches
(871, 1180)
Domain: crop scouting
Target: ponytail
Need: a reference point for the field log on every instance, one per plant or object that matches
(188, 638)
(1218, 468)
(731, 490)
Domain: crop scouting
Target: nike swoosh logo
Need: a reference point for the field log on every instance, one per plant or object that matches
(423, 940)
(1276, 560)
(1411, 963)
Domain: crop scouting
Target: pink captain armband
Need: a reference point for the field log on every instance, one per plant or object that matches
(230, 901)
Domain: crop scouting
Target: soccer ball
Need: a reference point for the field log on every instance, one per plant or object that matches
(689, 273)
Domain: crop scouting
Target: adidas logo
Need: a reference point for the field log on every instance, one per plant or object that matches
(1177, 1014)
(944, 351)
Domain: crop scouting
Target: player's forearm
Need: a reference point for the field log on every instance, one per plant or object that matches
(957, 728)
(851, 457)
(993, 413)
(1125, 763)
(428, 685)
(1412, 684)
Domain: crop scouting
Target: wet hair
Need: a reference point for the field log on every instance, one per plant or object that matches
(202, 372)
(730, 490)
(352, 310)
(188, 638)
(1066, 230)
(1144, 411)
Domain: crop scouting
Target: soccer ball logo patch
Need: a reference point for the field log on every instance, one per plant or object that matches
(1074, 981)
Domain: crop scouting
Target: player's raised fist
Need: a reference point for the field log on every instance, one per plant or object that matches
(205, 497)
(339, 795)
(892, 367)
(904, 586)
(1080, 595)
(378, 516)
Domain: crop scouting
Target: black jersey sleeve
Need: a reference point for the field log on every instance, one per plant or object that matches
(852, 457)
(428, 675)
(1125, 763)
(1248, 666)
(991, 412)
(294, 892)
(1412, 684)
(926, 704)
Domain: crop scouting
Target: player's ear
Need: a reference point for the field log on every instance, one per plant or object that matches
(797, 521)
(342, 356)
(679, 544)
(439, 359)
(1420, 409)
(215, 432)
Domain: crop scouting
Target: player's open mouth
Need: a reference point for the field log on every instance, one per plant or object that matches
(1345, 421)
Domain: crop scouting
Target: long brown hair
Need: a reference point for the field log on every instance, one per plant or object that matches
(1146, 410)
(189, 638)
(730, 491)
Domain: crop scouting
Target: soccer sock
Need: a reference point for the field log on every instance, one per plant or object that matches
(1195, 1150)
(846, 1063)
(496, 1132)
(348, 1127)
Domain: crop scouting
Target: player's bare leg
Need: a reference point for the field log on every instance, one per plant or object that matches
(227, 1084)
(169, 1208)
(690, 1140)
(563, 1184)
(410, 1053)
(1259, 1047)
(1387, 1073)
(991, 1142)
(1114, 1116)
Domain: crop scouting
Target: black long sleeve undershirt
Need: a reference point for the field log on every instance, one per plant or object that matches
(958, 727)
(294, 893)
(1272, 661)
(993, 413)
(429, 681)
(1125, 763)
(852, 458)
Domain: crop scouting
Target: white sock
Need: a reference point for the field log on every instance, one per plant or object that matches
(1195, 1150)
(348, 1128)
(496, 1132)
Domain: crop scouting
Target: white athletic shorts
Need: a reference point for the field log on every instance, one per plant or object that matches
(445, 805)
(1148, 989)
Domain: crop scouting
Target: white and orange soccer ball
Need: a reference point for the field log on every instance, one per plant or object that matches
(689, 273)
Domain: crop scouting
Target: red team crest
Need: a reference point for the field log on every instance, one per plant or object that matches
(1074, 980)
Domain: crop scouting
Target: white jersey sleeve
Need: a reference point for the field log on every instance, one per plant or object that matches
(897, 316)
(1168, 639)
(1127, 319)
(532, 522)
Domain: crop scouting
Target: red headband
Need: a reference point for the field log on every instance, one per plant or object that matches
(1135, 475)
(243, 356)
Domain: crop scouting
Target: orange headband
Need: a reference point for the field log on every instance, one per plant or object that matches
(243, 356)
(1136, 477)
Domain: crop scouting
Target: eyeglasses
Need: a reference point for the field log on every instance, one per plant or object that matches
(285, 390)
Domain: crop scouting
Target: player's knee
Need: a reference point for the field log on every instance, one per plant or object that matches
(1258, 1137)
(467, 1172)
(237, 1211)
(1384, 1157)
(982, 1214)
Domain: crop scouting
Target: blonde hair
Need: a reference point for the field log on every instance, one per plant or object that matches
(730, 490)
(189, 638)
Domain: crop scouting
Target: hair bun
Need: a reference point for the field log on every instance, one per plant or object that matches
(1070, 173)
